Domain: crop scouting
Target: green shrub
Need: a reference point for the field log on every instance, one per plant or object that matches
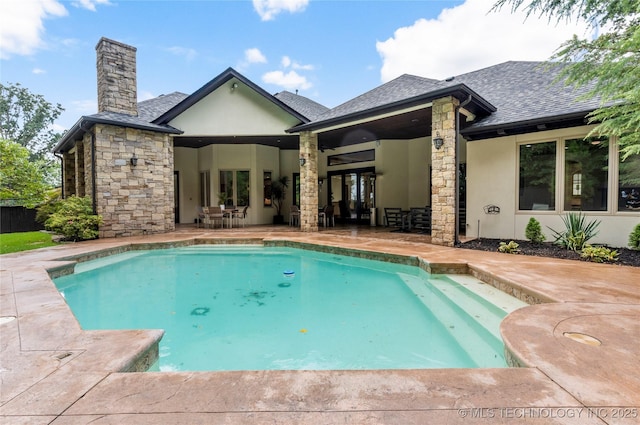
(51, 205)
(509, 248)
(74, 219)
(599, 254)
(634, 238)
(577, 232)
(533, 231)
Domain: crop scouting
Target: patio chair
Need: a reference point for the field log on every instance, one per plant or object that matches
(393, 217)
(240, 216)
(326, 216)
(213, 215)
(421, 219)
(199, 217)
(294, 216)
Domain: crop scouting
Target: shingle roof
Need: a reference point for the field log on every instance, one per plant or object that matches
(303, 105)
(525, 91)
(404, 87)
(111, 118)
(151, 109)
(521, 92)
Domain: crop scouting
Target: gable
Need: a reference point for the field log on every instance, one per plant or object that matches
(239, 111)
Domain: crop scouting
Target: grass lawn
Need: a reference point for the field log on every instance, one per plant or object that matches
(24, 241)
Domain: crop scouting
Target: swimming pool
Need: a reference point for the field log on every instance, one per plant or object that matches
(257, 308)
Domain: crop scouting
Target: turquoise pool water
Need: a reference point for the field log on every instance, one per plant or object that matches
(257, 308)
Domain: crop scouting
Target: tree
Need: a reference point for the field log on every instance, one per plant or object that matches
(27, 119)
(608, 64)
(21, 180)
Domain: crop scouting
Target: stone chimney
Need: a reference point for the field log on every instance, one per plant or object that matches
(116, 63)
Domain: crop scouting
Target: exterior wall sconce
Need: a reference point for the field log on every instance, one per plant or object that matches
(234, 86)
(438, 141)
(133, 161)
(320, 181)
(302, 161)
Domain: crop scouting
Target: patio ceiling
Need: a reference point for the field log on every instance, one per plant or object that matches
(409, 125)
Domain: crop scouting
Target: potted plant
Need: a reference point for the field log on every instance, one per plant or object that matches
(278, 193)
(222, 199)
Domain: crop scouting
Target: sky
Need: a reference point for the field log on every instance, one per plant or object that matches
(329, 51)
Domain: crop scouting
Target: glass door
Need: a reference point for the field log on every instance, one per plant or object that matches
(352, 193)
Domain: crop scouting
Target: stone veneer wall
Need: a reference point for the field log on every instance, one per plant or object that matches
(134, 200)
(68, 174)
(309, 182)
(116, 66)
(443, 174)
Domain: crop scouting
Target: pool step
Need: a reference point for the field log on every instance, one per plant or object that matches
(464, 317)
(476, 308)
(493, 295)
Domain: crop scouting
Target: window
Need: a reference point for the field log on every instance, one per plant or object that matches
(205, 192)
(537, 176)
(353, 157)
(234, 188)
(296, 189)
(586, 162)
(266, 188)
(629, 186)
(577, 184)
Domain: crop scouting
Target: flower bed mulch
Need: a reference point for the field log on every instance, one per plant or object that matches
(626, 257)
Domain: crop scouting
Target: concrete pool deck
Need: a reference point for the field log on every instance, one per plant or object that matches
(579, 351)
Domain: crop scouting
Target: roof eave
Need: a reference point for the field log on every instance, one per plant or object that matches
(525, 126)
(460, 91)
(77, 131)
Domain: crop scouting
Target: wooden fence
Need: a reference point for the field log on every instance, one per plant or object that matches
(18, 219)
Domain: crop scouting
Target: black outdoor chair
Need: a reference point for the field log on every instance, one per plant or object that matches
(394, 217)
(421, 219)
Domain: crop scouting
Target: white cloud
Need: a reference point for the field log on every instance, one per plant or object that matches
(90, 4)
(287, 62)
(289, 81)
(22, 25)
(38, 71)
(186, 52)
(268, 9)
(467, 37)
(254, 55)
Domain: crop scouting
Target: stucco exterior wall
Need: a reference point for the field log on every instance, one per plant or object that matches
(492, 178)
(289, 164)
(240, 111)
(392, 186)
(266, 158)
(189, 193)
(419, 160)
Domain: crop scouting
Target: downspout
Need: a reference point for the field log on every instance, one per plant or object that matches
(61, 174)
(94, 202)
(457, 190)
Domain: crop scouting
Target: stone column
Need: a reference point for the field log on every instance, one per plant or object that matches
(80, 169)
(68, 174)
(443, 174)
(309, 182)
